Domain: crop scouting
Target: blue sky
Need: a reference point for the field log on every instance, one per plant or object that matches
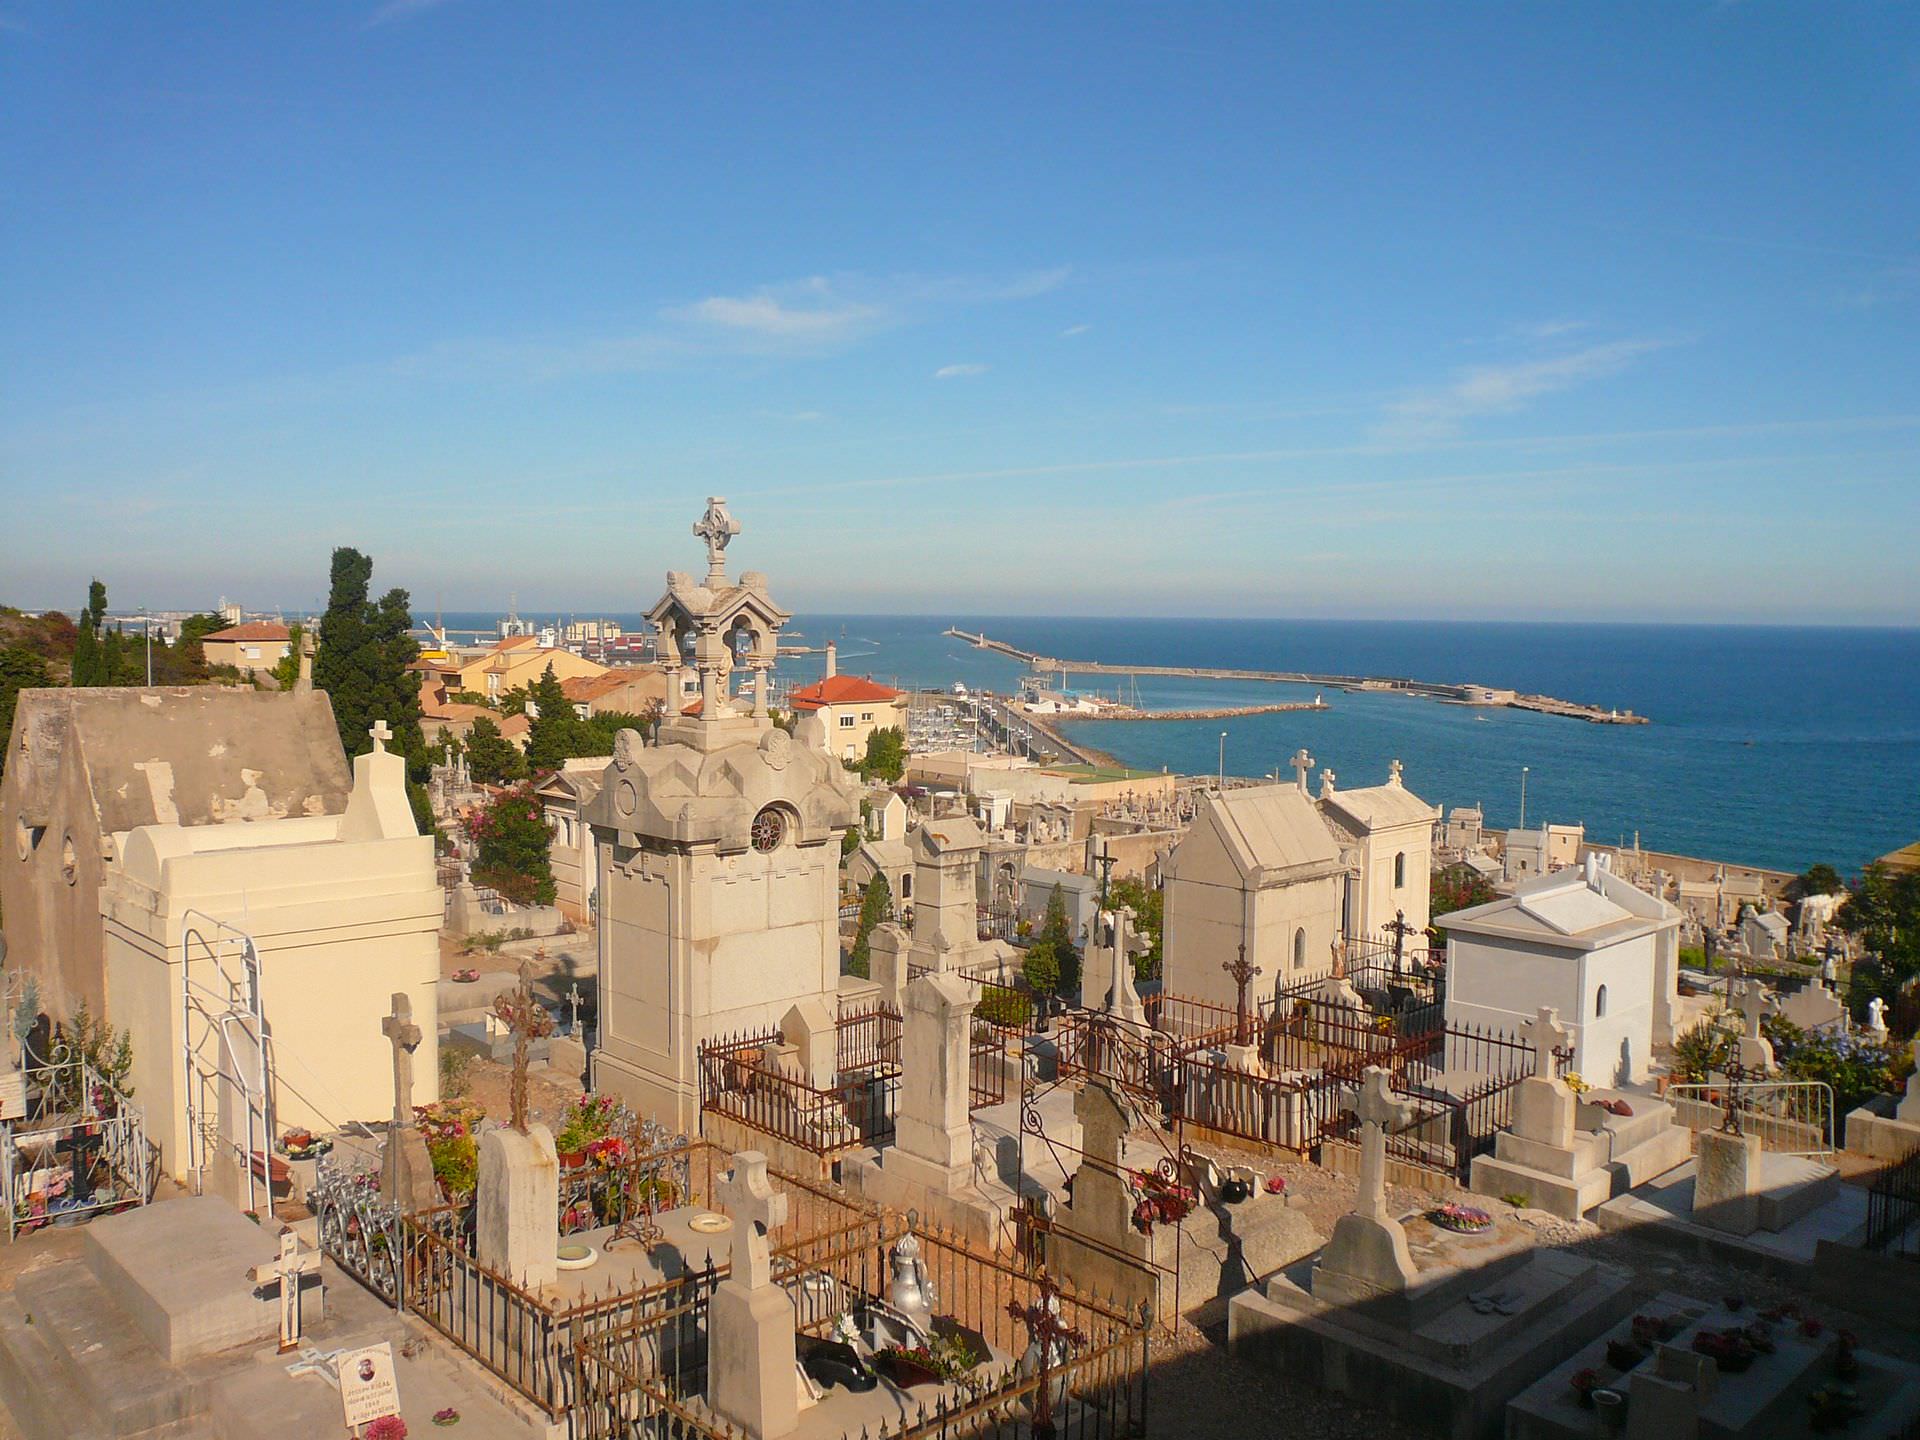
(1550, 311)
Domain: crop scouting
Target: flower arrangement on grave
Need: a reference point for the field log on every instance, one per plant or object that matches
(1623, 1355)
(908, 1366)
(1461, 1219)
(1649, 1328)
(304, 1145)
(465, 975)
(1159, 1201)
(1574, 1083)
(449, 1127)
(608, 1151)
(448, 1416)
(1584, 1383)
(1276, 1184)
(589, 1118)
(387, 1427)
(1730, 1350)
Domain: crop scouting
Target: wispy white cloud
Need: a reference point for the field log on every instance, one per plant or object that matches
(816, 316)
(959, 372)
(401, 10)
(1497, 389)
(1072, 330)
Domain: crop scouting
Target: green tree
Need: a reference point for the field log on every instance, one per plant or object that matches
(87, 668)
(491, 758)
(193, 630)
(362, 662)
(19, 670)
(1819, 879)
(1458, 887)
(1053, 950)
(286, 673)
(1149, 918)
(511, 840)
(558, 735)
(1041, 970)
(886, 757)
(600, 729)
(1884, 912)
(876, 908)
(97, 602)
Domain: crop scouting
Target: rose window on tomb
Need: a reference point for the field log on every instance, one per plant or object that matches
(769, 829)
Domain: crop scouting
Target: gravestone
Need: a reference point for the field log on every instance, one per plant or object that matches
(517, 1197)
(406, 1170)
(1095, 1243)
(751, 1348)
(1755, 1050)
(1726, 1182)
(1367, 1256)
(812, 1031)
(933, 1133)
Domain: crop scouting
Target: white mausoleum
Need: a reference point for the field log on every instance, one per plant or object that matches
(1582, 941)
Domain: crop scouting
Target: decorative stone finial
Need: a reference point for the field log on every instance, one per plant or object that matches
(717, 528)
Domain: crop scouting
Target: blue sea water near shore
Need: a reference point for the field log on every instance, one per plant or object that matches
(1769, 746)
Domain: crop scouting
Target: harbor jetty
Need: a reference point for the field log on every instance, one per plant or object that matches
(1215, 712)
(1450, 693)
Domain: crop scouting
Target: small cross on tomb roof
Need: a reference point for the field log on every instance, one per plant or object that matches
(1302, 762)
(381, 734)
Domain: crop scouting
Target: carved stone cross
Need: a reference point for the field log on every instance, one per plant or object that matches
(756, 1208)
(1545, 1034)
(286, 1270)
(717, 528)
(381, 734)
(1752, 1002)
(1377, 1108)
(1393, 772)
(1302, 762)
(405, 1038)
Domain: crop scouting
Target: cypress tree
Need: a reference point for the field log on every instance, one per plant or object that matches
(86, 653)
(876, 906)
(557, 734)
(361, 662)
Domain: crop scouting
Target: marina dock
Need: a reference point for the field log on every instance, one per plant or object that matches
(1451, 693)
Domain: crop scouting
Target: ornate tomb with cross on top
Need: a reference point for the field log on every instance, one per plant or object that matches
(717, 847)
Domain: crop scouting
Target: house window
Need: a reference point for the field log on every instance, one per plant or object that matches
(906, 886)
(1400, 870)
(1300, 949)
(1599, 1002)
(846, 721)
(867, 715)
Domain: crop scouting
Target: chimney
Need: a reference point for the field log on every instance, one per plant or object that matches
(833, 660)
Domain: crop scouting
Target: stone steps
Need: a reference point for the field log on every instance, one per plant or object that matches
(72, 1367)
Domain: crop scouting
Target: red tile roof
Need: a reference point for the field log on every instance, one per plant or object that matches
(252, 630)
(842, 690)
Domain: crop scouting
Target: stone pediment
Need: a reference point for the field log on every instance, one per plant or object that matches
(681, 795)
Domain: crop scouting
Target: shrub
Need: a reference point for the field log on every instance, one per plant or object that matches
(1008, 1009)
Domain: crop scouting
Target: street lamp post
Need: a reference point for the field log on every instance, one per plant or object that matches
(1223, 759)
(1523, 797)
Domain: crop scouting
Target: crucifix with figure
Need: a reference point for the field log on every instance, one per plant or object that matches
(1242, 975)
(1399, 929)
(528, 1021)
(286, 1270)
(1052, 1338)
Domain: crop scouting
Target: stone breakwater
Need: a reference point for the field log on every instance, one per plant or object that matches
(1451, 693)
(1218, 712)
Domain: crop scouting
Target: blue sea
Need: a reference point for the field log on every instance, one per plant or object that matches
(1769, 746)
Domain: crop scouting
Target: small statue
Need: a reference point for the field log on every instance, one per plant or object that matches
(1877, 1017)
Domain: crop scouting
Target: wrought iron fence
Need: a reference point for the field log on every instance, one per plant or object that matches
(656, 1171)
(647, 1377)
(360, 1232)
(1791, 1117)
(738, 1078)
(1893, 1209)
(80, 1150)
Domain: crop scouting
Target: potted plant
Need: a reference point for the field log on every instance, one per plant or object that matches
(1584, 1383)
(908, 1367)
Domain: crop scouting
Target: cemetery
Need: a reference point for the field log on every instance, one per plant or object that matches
(1462, 1187)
